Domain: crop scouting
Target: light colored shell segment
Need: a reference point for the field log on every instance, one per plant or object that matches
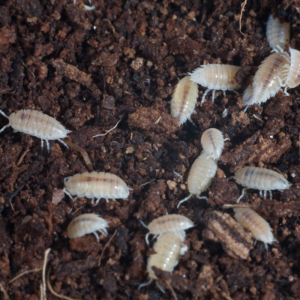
(216, 77)
(268, 80)
(201, 174)
(97, 185)
(168, 249)
(293, 78)
(258, 226)
(169, 223)
(37, 124)
(278, 34)
(184, 99)
(261, 179)
(212, 142)
(86, 224)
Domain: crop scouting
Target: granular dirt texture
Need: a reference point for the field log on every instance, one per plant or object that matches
(110, 72)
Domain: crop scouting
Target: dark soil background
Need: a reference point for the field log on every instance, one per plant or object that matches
(89, 69)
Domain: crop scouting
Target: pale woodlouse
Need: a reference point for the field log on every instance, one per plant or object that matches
(293, 77)
(37, 124)
(168, 249)
(216, 77)
(86, 224)
(258, 226)
(261, 179)
(168, 223)
(184, 99)
(212, 142)
(268, 80)
(96, 185)
(200, 176)
(278, 34)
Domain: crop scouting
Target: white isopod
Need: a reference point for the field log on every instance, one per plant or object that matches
(216, 77)
(184, 99)
(168, 223)
(293, 77)
(96, 185)
(168, 249)
(200, 176)
(86, 224)
(37, 124)
(278, 34)
(261, 179)
(268, 80)
(258, 226)
(212, 142)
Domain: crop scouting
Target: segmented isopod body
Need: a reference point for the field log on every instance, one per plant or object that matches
(184, 99)
(168, 223)
(37, 124)
(96, 185)
(212, 142)
(278, 34)
(293, 78)
(216, 77)
(258, 226)
(268, 80)
(200, 176)
(86, 224)
(261, 179)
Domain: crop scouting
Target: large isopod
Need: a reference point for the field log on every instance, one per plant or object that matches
(258, 226)
(216, 77)
(293, 77)
(261, 179)
(184, 99)
(278, 34)
(268, 80)
(200, 176)
(96, 185)
(212, 142)
(168, 223)
(37, 124)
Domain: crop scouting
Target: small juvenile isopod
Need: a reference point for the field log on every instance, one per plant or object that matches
(200, 176)
(268, 80)
(168, 249)
(86, 224)
(261, 179)
(216, 77)
(96, 185)
(212, 142)
(184, 99)
(168, 223)
(278, 34)
(37, 124)
(293, 77)
(258, 226)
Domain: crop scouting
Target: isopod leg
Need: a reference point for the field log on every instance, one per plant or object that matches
(42, 144)
(285, 91)
(183, 200)
(65, 179)
(147, 238)
(3, 114)
(145, 284)
(66, 192)
(270, 195)
(213, 95)
(48, 147)
(106, 199)
(265, 194)
(63, 143)
(240, 197)
(227, 139)
(260, 193)
(93, 200)
(103, 231)
(235, 92)
(204, 95)
(203, 197)
(246, 108)
(224, 94)
(160, 288)
(143, 224)
(98, 200)
(3, 128)
(96, 235)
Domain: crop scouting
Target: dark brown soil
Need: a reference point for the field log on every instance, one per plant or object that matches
(122, 61)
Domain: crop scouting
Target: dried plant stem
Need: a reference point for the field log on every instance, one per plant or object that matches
(4, 292)
(172, 290)
(241, 16)
(103, 134)
(24, 273)
(99, 263)
(44, 274)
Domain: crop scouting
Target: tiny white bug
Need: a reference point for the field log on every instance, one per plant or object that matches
(268, 80)
(37, 124)
(168, 223)
(168, 249)
(86, 224)
(216, 77)
(293, 77)
(184, 99)
(200, 176)
(261, 179)
(212, 142)
(258, 226)
(278, 34)
(96, 185)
